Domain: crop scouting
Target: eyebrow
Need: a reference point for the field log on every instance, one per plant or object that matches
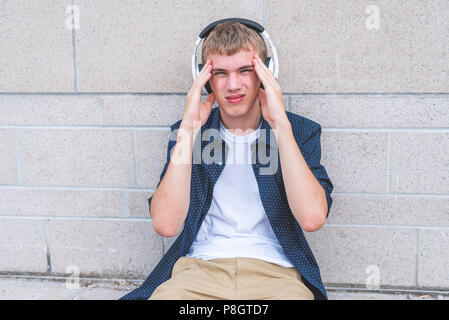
(243, 67)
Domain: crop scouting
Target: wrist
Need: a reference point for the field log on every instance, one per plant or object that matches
(282, 124)
(283, 130)
(190, 125)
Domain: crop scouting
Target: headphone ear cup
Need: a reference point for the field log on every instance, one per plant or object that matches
(207, 85)
(270, 64)
(267, 62)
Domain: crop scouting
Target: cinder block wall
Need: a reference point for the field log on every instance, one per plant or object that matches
(85, 114)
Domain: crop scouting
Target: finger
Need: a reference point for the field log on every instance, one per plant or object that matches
(206, 72)
(259, 72)
(208, 63)
(206, 69)
(204, 76)
(262, 65)
(203, 73)
(265, 72)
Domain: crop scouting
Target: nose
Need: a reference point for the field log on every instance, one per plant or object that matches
(234, 82)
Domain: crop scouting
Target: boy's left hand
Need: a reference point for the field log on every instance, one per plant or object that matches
(271, 102)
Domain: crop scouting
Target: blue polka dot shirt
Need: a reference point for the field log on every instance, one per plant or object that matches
(205, 174)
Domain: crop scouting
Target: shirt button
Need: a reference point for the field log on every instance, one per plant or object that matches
(220, 163)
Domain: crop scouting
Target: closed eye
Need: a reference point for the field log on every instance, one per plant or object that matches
(246, 70)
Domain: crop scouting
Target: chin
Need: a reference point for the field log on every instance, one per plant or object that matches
(235, 110)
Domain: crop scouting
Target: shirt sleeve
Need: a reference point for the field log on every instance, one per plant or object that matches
(311, 150)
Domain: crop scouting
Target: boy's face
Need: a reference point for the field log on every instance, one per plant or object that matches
(234, 76)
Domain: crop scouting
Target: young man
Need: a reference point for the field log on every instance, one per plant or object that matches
(242, 235)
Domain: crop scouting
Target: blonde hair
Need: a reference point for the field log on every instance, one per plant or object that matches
(231, 37)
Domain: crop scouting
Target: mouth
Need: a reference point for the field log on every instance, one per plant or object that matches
(235, 98)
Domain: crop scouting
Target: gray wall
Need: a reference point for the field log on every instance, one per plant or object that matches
(85, 115)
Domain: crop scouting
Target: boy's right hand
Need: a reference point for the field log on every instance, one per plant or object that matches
(196, 111)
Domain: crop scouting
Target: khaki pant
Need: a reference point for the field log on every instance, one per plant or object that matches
(231, 279)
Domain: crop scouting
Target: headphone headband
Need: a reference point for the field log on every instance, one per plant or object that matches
(250, 24)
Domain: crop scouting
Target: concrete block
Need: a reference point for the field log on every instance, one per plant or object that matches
(304, 34)
(419, 162)
(365, 255)
(8, 157)
(23, 246)
(151, 156)
(404, 50)
(140, 46)
(77, 157)
(36, 47)
(373, 111)
(389, 210)
(154, 110)
(108, 248)
(62, 202)
(49, 110)
(138, 204)
(433, 258)
(328, 46)
(355, 161)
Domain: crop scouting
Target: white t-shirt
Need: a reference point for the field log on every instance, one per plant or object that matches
(236, 224)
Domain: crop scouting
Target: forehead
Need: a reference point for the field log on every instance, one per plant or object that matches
(232, 62)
